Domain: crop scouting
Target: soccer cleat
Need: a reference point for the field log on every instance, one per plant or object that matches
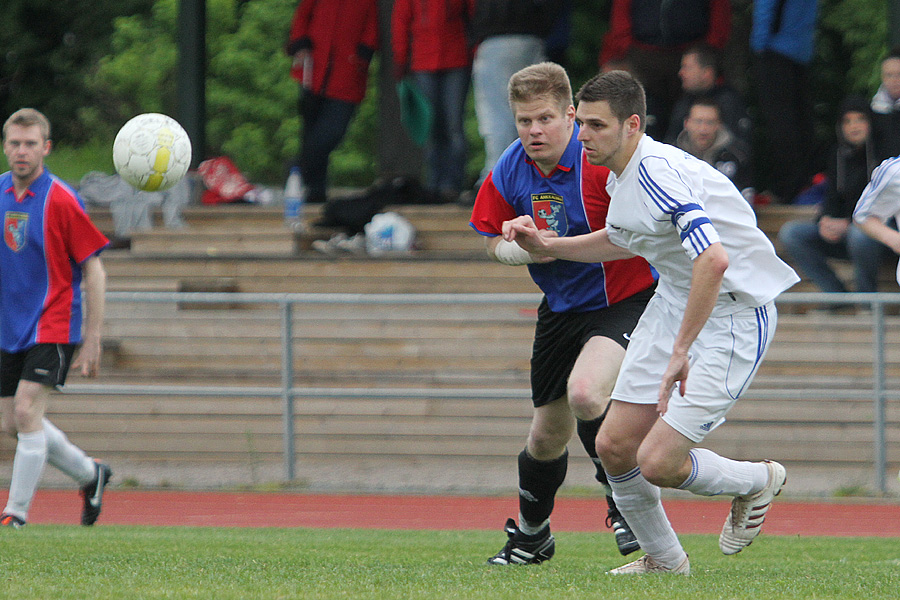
(8, 520)
(748, 512)
(522, 549)
(625, 539)
(92, 494)
(645, 565)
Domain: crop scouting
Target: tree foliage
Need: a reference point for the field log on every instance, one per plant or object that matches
(48, 48)
(91, 65)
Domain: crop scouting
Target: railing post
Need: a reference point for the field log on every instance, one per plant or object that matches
(287, 387)
(878, 392)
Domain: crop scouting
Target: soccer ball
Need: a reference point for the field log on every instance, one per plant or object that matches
(152, 152)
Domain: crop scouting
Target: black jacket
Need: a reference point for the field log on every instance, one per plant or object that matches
(848, 173)
(511, 17)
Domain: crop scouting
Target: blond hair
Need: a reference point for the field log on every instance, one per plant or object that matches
(544, 80)
(28, 117)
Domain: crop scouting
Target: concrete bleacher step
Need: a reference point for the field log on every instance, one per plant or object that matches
(318, 274)
(242, 229)
(483, 347)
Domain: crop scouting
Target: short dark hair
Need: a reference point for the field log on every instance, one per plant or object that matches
(707, 57)
(545, 80)
(624, 94)
(892, 53)
(707, 101)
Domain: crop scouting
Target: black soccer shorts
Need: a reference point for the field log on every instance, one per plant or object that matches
(47, 364)
(559, 338)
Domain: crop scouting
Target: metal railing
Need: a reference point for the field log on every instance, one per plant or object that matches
(288, 392)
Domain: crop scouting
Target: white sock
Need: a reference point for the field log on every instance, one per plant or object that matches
(712, 475)
(28, 465)
(639, 502)
(67, 457)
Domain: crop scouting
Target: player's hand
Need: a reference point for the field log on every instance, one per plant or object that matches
(300, 56)
(88, 359)
(833, 230)
(676, 372)
(524, 232)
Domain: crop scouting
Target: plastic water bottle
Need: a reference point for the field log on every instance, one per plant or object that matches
(293, 200)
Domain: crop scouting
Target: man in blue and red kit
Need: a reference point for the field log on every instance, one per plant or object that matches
(50, 247)
(588, 310)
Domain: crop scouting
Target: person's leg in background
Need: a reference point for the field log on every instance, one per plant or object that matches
(325, 122)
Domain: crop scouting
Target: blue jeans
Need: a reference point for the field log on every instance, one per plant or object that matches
(810, 252)
(325, 122)
(496, 60)
(445, 152)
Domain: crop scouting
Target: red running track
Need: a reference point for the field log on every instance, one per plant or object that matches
(226, 509)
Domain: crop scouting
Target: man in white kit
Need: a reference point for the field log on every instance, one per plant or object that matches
(879, 203)
(712, 316)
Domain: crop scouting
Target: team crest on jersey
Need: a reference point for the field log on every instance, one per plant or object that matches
(14, 226)
(549, 212)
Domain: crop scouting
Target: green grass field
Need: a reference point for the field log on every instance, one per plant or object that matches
(51, 562)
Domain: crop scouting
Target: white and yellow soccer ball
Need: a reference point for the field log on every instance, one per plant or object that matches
(152, 152)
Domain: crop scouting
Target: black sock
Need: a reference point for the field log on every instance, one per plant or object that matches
(538, 482)
(587, 433)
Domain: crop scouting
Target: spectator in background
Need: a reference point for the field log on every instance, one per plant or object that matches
(652, 35)
(558, 40)
(832, 235)
(332, 43)
(701, 76)
(709, 139)
(782, 41)
(886, 109)
(429, 42)
(509, 35)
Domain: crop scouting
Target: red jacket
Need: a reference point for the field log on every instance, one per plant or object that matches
(342, 36)
(621, 35)
(430, 35)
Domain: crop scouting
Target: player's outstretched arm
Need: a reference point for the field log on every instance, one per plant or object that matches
(591, 247)
(88, 359)
(877, 230)
(706, 282)
(510, 253)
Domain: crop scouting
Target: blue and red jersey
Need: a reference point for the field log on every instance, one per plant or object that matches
(46, 237)
(571, 200)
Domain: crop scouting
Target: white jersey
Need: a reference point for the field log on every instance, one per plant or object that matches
(881, 197)
(668, 207)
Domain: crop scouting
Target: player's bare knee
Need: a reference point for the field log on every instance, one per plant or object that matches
(585, 403)
(24, 417)
(615, 454)
(657, 467)
(546, 445)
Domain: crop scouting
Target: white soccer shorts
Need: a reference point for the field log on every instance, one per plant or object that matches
(723, 361)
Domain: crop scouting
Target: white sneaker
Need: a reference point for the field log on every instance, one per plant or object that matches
(354, 245)
(645, 565)
(749, 512)
(329, 246)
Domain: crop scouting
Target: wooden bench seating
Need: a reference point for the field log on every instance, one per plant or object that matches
(482, 347)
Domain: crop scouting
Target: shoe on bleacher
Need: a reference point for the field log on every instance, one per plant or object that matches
(355, 244)
(625, 539)
(748, 512)
(92, 493)
(523, 549)
(329, 246)
(8, 520)
(646, 565)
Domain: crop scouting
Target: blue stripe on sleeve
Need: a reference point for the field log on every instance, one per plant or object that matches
(665, 202)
